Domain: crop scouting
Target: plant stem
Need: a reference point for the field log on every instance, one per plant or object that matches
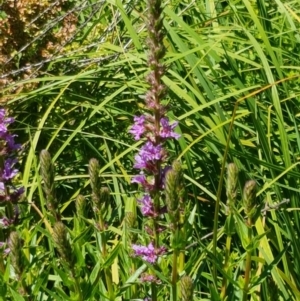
(174, 275)
(225, 268)
(77, 286)
(107, 272)
(44, 219)
(248, 263)
(2, 266)
(157, 180)
(153, 292)
(219, 191)
(25, 290)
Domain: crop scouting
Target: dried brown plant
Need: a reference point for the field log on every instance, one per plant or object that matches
(32, 31)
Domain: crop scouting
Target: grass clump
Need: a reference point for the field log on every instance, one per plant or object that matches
(221, 94)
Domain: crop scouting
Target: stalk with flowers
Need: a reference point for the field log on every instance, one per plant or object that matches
(10, 242)
(10, 194)
(161, 184)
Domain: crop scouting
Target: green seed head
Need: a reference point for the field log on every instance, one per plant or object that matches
(104, 195)
(249, 198)
(62, 243)
(94, 175)
(130, 219)
(187, 288)
(80, 205)
(15, 246)
(47, 171)
(47, 174)
(174, 189)
(232, 180)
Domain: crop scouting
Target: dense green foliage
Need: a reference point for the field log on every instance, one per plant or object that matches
(233, 84)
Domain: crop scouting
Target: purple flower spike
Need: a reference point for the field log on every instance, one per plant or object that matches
(148, 155)
(138, 129)
(166, 130)
(147, 205)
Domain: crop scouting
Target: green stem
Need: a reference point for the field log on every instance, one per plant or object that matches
(25, 291)
(2, 266)
(77, 286)
(155, 222)
(248, 263)
(225, 268)
(219, 191)
(107, 272)
(174, 276)
(156, 199)
(153, 292)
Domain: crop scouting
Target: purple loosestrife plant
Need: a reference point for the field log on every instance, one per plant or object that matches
(156, 128)
(152, 157)
(9, 193)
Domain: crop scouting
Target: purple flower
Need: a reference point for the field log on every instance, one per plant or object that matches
(4, 134)
(149, 253)
(9, 172)
(147, 205)
(138, 129)
(5, 222)
(3, 129)
(142, 180)
(3, 244)
(166, 130)
(148, 155)
(16, 193)
(4, 121)
(139, 179)
(149, 278)
(2, 113)
(145, 123)
(11, 141)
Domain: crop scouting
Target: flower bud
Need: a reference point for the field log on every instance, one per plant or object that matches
(80, 205)
(249, 198)
(130, 223)
(232, 180)
(15, 246)
(94, 175)
(62, 243)
(104, 195)
(47, 172)
(187, 288)
(173, 189)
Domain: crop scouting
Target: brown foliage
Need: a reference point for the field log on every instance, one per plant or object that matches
(32, 31)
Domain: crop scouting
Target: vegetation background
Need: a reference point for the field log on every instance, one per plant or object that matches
(72, 74)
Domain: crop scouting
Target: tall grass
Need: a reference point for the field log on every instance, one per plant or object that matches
(233, 83)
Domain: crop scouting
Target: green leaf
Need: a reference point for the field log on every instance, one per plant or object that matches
(16, 296)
